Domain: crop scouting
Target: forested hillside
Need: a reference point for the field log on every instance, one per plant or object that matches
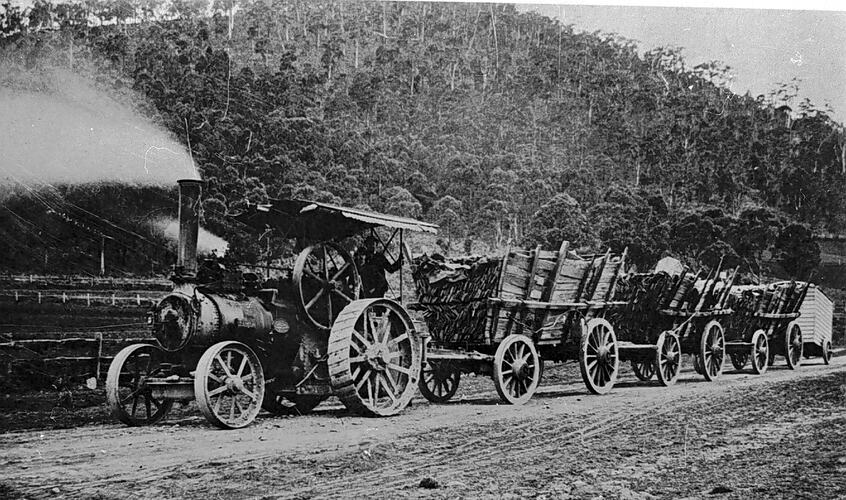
(500, 126)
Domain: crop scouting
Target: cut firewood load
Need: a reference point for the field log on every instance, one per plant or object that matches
(651, 295)
(478, 300)
(776, 298)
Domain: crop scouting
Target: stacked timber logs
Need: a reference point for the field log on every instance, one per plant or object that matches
(651, 296)
(750, 302)
(460, 280)
(452, 295)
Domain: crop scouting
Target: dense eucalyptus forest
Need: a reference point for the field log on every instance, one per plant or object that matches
(502, 126)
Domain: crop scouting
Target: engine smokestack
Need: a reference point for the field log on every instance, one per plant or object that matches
(189, 225)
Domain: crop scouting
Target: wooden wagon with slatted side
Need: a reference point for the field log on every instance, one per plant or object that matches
(764, 324)
(505, 316)
(669, 315)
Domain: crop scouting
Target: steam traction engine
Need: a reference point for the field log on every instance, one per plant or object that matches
(236, 347)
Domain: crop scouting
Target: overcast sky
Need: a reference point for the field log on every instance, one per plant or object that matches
(763, 47)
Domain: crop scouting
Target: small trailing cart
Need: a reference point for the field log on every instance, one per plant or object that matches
(764, 324)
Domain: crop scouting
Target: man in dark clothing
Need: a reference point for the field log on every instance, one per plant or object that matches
(372, 266)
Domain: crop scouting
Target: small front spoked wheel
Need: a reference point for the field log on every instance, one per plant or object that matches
(517, 369)
(229, 385)
(130, 399)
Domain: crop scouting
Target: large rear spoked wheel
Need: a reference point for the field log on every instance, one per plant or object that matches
(326, 280)
(793, 345)
(229, 385)
(130, 399)
(517, 370)
(712, 351)
(374, 357)
(599, 359)
(668, 358)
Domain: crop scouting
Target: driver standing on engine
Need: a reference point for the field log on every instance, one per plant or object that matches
(372, 266)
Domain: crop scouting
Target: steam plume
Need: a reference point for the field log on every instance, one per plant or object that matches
(206, 241)
(77, 134)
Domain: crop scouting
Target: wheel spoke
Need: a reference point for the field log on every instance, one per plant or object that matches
(365, 343)
(250, 394)
(364, 379)
(391, 380)
(342, 295)
(396, 340)
(243, 364)
(314, 299)
(388, 390)
(223, 364)
(341, 271)
(399, 368)
(217, 391)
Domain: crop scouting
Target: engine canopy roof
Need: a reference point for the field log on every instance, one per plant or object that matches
(322, 221)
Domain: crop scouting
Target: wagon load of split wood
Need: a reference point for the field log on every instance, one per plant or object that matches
(503, 316)
(764, 324)
(667, 315)
(453, 293)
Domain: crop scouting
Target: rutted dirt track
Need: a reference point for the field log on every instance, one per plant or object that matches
(779, 435)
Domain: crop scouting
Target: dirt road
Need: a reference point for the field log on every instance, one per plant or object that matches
(779, 435)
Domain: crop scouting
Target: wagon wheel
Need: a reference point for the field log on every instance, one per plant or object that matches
(668, 358)
(599, 360)
(374, 357)
(439, 381)
(760, 352)
(793, 345)
(826, 351)
(126, 385)
(517, 369)
(712, 350)
(229, 385)
(286, 403)
(697, 363)
(326, 280)
(739, 359)
(643, 369)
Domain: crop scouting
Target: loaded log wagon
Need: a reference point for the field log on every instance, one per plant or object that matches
(505, 316)
(669, 315)
(765, 324)
(235, 346)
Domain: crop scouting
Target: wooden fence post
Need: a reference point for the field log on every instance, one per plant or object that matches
(99, 354)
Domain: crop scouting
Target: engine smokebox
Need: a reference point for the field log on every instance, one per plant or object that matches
(190, 191)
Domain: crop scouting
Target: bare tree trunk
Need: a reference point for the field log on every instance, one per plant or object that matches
(355, 64)
(496, 42)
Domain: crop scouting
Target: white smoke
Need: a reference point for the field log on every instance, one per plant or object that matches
(206, 241)
(77, 134)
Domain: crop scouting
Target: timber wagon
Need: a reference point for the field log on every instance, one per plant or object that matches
(237, 344)
(506, 316)
(764, 324)
(668, 315)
